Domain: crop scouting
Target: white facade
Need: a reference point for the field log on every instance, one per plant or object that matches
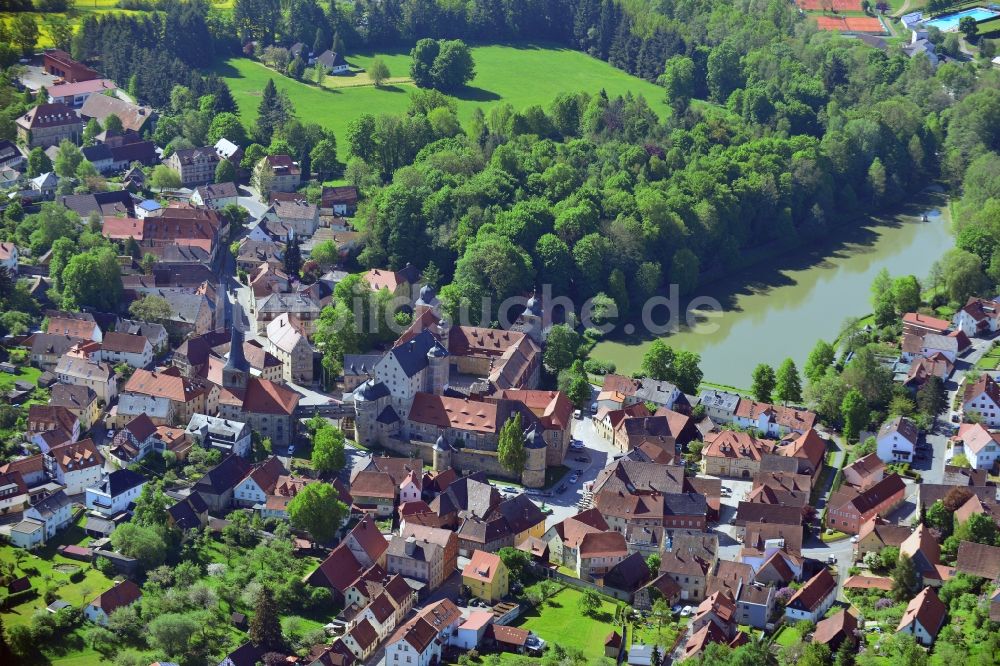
(79, 479)
(249, 493)
(132, 359)
(893, 447)
(408, 491)
(964, 322)
(985, 408)
(919, 632)
(814, 615)
(100, 501)
(53, 523)
(27, 534)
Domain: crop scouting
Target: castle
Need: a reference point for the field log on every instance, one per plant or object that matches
(444, 392)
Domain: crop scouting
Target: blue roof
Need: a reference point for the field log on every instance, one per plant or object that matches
(149, 204)
(412, 355)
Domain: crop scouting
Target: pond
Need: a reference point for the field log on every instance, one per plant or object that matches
(781, 307)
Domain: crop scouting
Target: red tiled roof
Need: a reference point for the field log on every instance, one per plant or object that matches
(814, 590)
(859, 582)
(482, 566)
(73, 456)
(927, 609)
(123, 594)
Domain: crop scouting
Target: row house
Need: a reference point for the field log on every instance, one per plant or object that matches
(180, 397)
(49, 426)
(849, 509)
(75, 465)
(96, 375)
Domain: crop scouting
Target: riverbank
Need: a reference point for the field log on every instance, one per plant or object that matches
(785, 301)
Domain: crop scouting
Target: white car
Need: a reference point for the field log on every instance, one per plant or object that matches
(686, 611)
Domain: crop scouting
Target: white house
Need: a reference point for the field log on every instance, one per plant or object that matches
(226, 435)
(122, 594)
(133, 350)
(471, 632)
(419, 642)
(978, 317)
(259, 483)
(42, 521)
(116, 492)
(982, 399)
(76, 465)
(979, 445)
(897, 440)
(924, 617)
(409, 487)
(813, 599)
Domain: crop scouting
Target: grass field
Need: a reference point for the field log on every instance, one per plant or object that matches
(499, 78)
(559, 620)
(41, 568)
(27, 374)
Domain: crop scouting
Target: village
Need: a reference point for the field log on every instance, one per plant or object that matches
(431, 497)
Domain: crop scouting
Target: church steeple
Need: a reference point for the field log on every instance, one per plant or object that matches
(236, 370)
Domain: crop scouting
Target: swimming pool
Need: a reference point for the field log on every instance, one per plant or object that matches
(950, 21)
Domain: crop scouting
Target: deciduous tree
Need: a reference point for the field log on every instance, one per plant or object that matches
(318, 510)
(762, 384)
(511, 450)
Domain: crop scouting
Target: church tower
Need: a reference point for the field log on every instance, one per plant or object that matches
(236, 370)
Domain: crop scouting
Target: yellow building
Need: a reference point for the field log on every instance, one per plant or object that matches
(486, 576)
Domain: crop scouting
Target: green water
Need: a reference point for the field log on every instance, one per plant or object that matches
(782, 306)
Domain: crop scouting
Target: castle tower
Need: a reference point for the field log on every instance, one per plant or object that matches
(533, 475)
(437, 370)
(427, 301)
(442, 455)
(236, 370)
(532, 321)
(366, 412)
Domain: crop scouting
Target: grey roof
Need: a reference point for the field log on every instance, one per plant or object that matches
(217, 191)
(143, 328)
(412, 355)
(723, 400)
(96, 153)
(224, 476)
(51, 343)
(388, 416)
(120, 481)
(360, 364)
(684, 504)
(291, 303)
(184, 307)
(655, 391)
(71, 396)
(51, 504)
(236, 360)
(371, 390)
(944, 342)
(202, 424)
(330, 59)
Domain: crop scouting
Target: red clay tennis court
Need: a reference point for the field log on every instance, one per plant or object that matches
(828, 5)
(850, 24)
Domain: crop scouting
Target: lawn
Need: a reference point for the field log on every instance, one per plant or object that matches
(40, 566)
(499, 78)
(664, 636)
(27, 374)
(990, 360)
(78, 9)
(787, 636)
(559, 620)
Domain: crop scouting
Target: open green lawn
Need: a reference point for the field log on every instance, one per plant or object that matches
(78, 9)
(43, 567)
(787, 636)
(559, 620)
(500, 77)
(27, 374)
(665, 636)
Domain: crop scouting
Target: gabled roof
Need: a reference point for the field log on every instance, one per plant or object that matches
(902, 426)
(630, 574)
(817, 588)
(867, 465)
(74, 456)
(122, 594)
(838, 626)
(224, 476)
(482, 566)
(927, 609)
(985, 384)
(337, 571)
(366, 533)
(977, 559)
(922, 548)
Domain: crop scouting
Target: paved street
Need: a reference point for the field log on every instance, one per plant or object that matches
(596, 455)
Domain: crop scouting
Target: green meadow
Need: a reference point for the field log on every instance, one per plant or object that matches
(522, 75)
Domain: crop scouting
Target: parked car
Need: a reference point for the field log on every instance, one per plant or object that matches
(593, 408)
(582, 459)
(509, 489)
(574, 478)
(686, 611)
(831, 559)
(577, 414)
(562, 488)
